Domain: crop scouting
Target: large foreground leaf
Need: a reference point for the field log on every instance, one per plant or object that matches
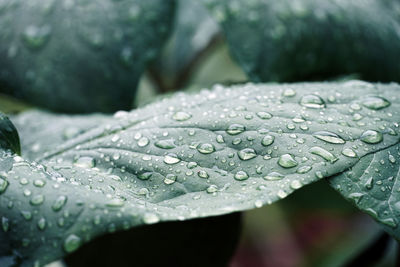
(190, 156)
(312, 39)
(79, 56)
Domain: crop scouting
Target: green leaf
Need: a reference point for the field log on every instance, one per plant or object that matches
(312, 40)
(372, 185)
(9, 138)
(79, 57)
(189, 156)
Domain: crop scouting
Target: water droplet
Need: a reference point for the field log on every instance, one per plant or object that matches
(181, 116)
(326, 155)
(39, 183)
(171, 159)
(150, 218)
(389, 222)
(220, 139)
(59, 203)
(235, 129)
(145, 175)
(303, 169)
(274, 176)
(212, 189)
(264, 115)
(206, 148)
(202, 174)
(236, 141)
(241, 175)
(115, 203)
(287, 161)
(170, 179)
(37, 200)
(142, 142)
(258, 203)
(26, 214)
(375, 102)
(281, 194)
(295, 184)
(41, 224)
(5, 224)
(3, 185)
(392, 159)
(191, 165)
(329, 137)
(369, 183)
(36, 37)
(289, 92)
(72, 243)
(165, 144)
(356, 196)
(247, 153)
(348, 152)
(85, 162)
(371, 137)
(312, 101)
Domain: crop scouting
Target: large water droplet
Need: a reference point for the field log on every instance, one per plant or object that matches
(371, 137)
(267, 140)
(72, 243)
(235, 129)
(329, 137)
(247, 153)
(325, 154)
(206, 148)
(312, 101)
(241, 175)
(171, 159)
(375, 102)
(181, 116)
(287, 161)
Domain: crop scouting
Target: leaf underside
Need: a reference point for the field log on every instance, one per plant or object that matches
(188, 156)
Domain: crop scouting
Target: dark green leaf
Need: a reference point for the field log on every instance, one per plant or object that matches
(9, 138)
(190, 156)
(79, 57)
(318, 39)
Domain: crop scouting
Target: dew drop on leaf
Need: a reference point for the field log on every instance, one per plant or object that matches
(247, 153)
(206, 148)
(241, 176)
(274, 176)
(171, 159)
(323, 153)
(312, 101)
(375, 102)
(235, 129)
(72, 243)
(329, 137)
(287, 161)
(371, 137)
(348, 152)
(181, 116)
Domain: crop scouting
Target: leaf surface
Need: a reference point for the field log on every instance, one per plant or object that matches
(189, 156)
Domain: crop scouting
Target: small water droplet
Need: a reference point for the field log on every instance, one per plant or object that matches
(348, 152)
(143, 141)
(247, 153)
(371, 137)
(115, 203)
(235, 129)
(59, 203)
(325, 154)
(303, 169)
(3, 185)
(41, 224)
(281, 194)
(369, 183)
(220, 139)
(72, 243)
(312, 101)
(206, 148)
(392, 159)
(171, 159)
(212, 189)
(165, 144)
(191, 165)
(258, 203)
(36, 37)
(241, 176)
(181, 116)
(170, 179)
(39, 183)
(202, 174)
(274, 176)
(289, 92)
(329, 137)
(264, 115)
(150, 218)
(287, 161)
(85, 162)
(37, 200)
(144, 175)
(295, 184)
